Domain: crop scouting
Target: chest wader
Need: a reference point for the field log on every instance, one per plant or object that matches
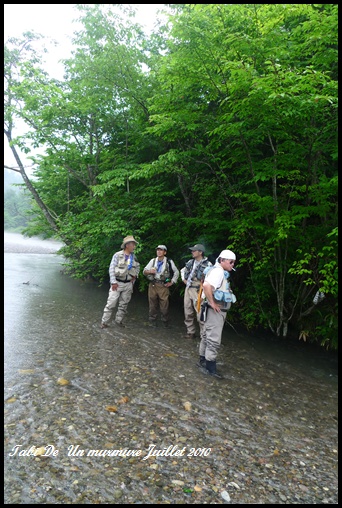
(191, 296)
(214, 322)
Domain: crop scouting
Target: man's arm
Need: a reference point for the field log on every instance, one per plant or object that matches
(148, 268)
(209, 293)
(113, 281)
(112, 265)
(175, 272)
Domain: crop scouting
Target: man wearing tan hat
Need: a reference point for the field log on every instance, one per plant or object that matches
(162, 273)
(123, 272)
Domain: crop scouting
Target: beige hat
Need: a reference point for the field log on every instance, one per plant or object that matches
(161, 247)
(128, 239)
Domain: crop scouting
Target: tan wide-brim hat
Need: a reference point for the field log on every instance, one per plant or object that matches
(128, 239)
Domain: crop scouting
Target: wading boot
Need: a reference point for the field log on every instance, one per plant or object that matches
(201, 362)
(190, 336)
(211, 368)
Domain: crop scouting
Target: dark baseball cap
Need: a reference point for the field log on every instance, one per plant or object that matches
(198, 246)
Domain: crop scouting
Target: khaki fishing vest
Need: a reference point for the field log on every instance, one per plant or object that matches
(121, 271)
(163, 275)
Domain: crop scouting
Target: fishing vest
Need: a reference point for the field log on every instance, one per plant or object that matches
(165, 272)
(121, 271)
(223, 295)
(197, 276)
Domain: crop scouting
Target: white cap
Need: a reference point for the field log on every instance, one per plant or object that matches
(227, 254)
(161, 247)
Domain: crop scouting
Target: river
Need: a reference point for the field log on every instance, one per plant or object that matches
(266, 434)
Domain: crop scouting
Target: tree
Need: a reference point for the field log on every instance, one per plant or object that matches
(16, 64)
(220, 128)
(255, 110)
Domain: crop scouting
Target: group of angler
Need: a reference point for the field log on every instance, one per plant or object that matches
(207, 295)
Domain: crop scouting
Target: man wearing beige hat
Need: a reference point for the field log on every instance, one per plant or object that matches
(162, 273)
(192, 275)
(123, 272)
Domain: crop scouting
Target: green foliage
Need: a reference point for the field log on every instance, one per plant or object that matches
(220, 127)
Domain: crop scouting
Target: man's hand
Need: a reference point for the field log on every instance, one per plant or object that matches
(115, 286)
(208, 291)
(216, 307)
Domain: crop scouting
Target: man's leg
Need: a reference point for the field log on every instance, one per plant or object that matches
(113, 297)
(197, 316)
(163, 294)
(189, 311)
(126, 291)
(152, 303)
(202, 347)
(213, 331)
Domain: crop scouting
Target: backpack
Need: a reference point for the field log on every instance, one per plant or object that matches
(206, 271)
(170, 268)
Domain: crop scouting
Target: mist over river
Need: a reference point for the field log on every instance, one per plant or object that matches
(265, 434)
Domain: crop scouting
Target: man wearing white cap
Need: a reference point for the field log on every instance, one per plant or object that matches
(162, 273)
(219, 298)
(123, 272)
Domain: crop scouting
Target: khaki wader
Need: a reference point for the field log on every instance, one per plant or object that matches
(211, 339)
(190, 311)
(158, 299)
(122, 295)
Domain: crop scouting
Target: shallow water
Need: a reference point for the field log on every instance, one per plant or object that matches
(270, 425)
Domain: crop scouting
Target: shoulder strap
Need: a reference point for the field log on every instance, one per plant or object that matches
(170, 266)
(206, 270)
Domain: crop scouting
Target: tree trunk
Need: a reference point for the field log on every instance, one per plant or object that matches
(21, 170)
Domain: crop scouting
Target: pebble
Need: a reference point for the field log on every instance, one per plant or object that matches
(225, 496)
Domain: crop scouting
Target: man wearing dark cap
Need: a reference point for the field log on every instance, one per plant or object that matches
(162, 273)
(191, 275)
(123, 272)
